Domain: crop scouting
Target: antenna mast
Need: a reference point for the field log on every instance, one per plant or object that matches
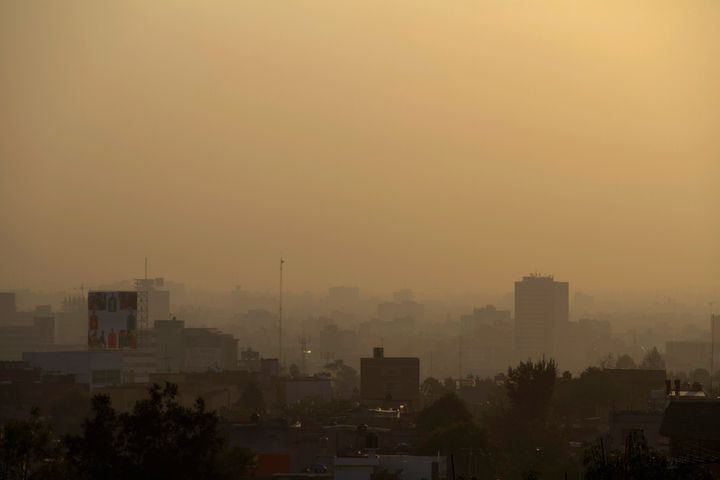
(280, 314)
(713, 319)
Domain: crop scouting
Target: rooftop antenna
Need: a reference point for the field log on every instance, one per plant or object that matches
(280, 314)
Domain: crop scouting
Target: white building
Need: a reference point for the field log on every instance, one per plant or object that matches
(410, 467)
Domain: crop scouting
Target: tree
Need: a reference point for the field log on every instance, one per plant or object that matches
(159, 439)
(700, 375)
(430, 390)
(530, 388)
(252, 398)
(445, 411)
(625, 362)
(344, 378)
(27, 450)
(653, 360)
(637, 461)
(449, 384)
(96, 451)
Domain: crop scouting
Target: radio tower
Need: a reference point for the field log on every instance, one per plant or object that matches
(280, 314)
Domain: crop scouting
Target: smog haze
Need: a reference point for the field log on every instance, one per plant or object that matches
(440, 146)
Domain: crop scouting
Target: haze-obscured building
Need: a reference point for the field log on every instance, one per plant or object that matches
(8, 307)
(687, 356)
(96, 368)
(486, 341)
(541, 316)
(316, 388)
(38, 335)
(405, 309)
(389, 381)
(343, 294)
(181, 349)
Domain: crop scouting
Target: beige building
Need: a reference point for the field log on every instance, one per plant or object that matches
(541, 317)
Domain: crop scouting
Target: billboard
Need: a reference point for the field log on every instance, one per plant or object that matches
(112, 320)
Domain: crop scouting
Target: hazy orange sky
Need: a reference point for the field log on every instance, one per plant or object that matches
(427, 144)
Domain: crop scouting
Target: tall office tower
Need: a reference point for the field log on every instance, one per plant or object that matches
(7, 308)
(714, 343)
(541, 317)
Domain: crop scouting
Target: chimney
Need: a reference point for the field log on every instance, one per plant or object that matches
(378, 352)
(668, 387)
(677, 387)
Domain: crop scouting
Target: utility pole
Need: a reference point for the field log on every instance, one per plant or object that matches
(280, 315)
(713, 319)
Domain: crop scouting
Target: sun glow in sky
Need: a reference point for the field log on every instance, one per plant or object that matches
(437, 145)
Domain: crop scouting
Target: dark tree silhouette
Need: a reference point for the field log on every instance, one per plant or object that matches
(444, 412)
(700, 375)
(637, 461)
(431, 389)
(159, 439)
(344, 378)
(27, 450)
(530, 388)
(96, 452)
(449, 384)
(653, 360)
(625, 362)
(252, 398)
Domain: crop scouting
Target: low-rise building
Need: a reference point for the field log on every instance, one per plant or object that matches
(318, 388)
(96, 368)
(389, 381)
(407, 467)
(693, 428)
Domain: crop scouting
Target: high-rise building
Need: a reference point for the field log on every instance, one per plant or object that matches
(714, 343)
(541, 316)
(486, 341)
(7, 308)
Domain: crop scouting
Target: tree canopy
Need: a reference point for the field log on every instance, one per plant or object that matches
(27, 449)
(446, 411)
(636, 461)
(345, 379)
(625, 362)
(530, 388)
(159, 439)
(653, 360)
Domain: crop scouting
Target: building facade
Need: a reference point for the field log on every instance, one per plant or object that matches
(389, 381)
(541, 316)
